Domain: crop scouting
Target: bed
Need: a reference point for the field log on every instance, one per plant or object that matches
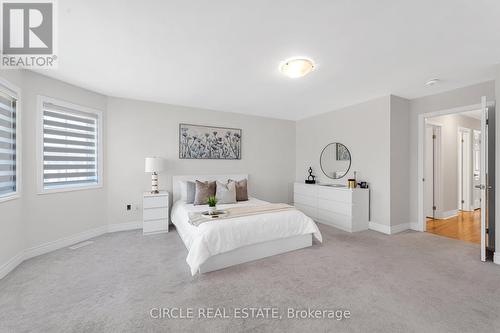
(219, 244)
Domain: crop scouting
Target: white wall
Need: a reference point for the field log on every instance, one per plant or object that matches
(138, 129)
(449, 156)
(57, 215)
(11, 222)
(400, 162)
(34, 220)
(365, 130)
(452, 99)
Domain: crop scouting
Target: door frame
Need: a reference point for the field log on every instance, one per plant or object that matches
(437, 172)
(421, 223)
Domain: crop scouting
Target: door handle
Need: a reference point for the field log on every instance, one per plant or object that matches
(481, 187)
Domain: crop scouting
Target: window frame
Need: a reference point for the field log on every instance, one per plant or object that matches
(100, 161)
(17, 193)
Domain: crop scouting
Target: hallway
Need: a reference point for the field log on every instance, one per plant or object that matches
(465, 226)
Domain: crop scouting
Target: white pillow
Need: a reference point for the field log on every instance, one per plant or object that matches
(225, 193)
(187, 191)
(183, 186)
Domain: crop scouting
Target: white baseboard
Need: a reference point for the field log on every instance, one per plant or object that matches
(388, 230)
(11, 264)
(416, 226)
(124, 226)
(446, 215)
(64, 242)
(399, 228)
(496, 258)
(385, 229)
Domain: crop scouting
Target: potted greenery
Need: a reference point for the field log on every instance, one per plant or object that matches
(212, 205)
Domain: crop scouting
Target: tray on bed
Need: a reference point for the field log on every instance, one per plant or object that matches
(215, 215)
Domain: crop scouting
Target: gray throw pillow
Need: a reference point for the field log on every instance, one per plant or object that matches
(241, 189)
(226, 193)
(203, 191)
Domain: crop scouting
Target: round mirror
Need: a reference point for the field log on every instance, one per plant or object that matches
(335, 160)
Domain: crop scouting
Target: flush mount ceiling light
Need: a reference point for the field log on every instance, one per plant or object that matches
(296, 67)
(432, 82)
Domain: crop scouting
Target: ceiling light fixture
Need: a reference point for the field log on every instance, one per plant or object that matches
(296, 67)
(432, 82)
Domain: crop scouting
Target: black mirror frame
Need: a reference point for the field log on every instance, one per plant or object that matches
(350, 160)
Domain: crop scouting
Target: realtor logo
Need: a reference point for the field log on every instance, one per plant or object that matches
(28, 32)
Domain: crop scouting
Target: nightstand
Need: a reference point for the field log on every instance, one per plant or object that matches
(154, 213)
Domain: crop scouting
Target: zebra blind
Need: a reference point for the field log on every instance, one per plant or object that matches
(8, 140)
(70, 156)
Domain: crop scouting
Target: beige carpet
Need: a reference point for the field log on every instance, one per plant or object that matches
(410, 282)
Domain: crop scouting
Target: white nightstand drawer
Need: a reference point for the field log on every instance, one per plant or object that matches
(155, 213)
(154, 202)
(155, 226)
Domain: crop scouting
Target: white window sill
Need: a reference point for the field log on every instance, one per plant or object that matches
(70, 189)
(10, 197)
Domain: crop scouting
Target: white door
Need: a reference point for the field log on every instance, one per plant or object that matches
(476, 162)
(429, 171)
(464, 170)
(483, 174)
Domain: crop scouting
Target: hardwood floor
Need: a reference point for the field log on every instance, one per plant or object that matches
(465, 226)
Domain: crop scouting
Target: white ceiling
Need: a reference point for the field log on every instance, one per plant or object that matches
(224, 55)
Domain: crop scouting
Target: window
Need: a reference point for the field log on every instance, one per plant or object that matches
(71, 146)
(9, 145)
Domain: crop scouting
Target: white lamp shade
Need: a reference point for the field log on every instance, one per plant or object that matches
(153, 164)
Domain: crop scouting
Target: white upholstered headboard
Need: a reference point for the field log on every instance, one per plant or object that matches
(176, 188)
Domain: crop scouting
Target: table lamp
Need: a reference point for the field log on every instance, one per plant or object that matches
(154, 165)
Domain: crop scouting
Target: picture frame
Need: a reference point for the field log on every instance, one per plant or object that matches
(209, 142)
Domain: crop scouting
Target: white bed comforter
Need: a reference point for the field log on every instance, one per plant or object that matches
(219, 236)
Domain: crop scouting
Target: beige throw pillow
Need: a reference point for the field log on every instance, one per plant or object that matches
(241, 189)
(203, 191)
(226, 193)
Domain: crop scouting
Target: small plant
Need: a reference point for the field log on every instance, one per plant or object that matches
(212, 201)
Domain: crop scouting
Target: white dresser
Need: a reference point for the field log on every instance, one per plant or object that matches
(155, 212)
(340, 207)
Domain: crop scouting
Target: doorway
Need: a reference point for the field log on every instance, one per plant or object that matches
(456, 191)
(432, 186)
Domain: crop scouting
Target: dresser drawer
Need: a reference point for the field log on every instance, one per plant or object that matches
(305, 189)
(341, 195)
(304, 199)
(336, 220)
(155, 226)
(342, 208)
(155, 213)
(154, 202)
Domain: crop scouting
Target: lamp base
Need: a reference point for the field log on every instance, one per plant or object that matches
(154, 183)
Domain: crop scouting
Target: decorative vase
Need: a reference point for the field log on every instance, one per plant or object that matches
(212, 210)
